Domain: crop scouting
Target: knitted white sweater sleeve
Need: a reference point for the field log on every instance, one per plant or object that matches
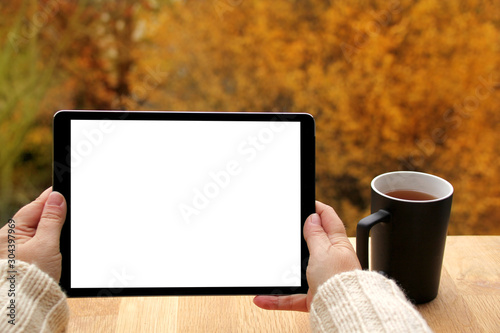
(363, 301)
(31, 300)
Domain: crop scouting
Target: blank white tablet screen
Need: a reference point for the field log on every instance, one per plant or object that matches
(185, 204)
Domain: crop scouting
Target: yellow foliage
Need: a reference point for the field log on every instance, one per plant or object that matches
(393, 85)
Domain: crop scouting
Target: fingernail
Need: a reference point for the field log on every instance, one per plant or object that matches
(315, 219)
(55, 199)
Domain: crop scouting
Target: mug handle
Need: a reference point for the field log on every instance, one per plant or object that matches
(363, 232)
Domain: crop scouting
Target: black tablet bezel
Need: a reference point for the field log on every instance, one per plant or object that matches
(61, 183)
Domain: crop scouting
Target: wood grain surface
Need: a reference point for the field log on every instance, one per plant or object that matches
(468, 301)
(469, 292)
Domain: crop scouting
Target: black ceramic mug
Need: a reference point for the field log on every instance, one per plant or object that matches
(408, 224)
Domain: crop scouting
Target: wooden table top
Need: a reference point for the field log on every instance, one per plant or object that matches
(468, 301)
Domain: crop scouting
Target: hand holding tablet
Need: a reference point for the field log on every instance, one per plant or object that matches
(331, 253)
(168, 203)
(240, 260)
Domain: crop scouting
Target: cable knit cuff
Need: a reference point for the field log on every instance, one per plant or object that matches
(40, 305)
(363, 301)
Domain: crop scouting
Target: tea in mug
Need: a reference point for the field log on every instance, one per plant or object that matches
(410, 195)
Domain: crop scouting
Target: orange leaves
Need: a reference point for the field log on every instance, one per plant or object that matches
(393, 85)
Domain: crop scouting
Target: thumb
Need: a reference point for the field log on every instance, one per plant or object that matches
(52, 219)
(314, 234)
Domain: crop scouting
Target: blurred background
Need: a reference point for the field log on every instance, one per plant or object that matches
(393, 85)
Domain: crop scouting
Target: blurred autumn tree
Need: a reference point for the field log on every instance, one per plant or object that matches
(55, 54)
(25, 77)
(410, 85)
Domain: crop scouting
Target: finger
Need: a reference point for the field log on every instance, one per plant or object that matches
(52, 219)
(29, 216)
(330, 220)
(333, 226)
(290, 303)
(316, 238)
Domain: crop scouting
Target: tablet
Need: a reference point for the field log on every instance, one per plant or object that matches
(184, 203)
